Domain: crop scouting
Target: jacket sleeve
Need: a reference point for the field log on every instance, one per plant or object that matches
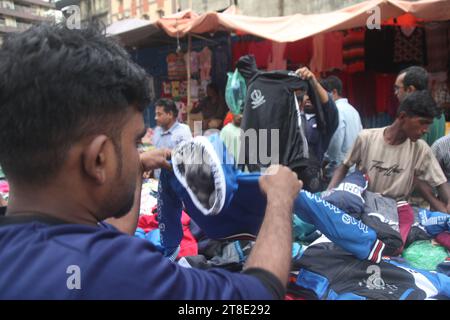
(332, 121)
(331, 116)
(169, 213)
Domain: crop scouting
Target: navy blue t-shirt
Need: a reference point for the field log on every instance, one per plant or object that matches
(39, 260)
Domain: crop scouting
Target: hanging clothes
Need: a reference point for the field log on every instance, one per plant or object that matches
(194, 89)
(409, 46)
(327, 52)
(176, 68)
(175, 89)
(154, 60)
(379, 49)
(277, 60)
(171, 67)
(353, 50)
(385, 99)
(204, 59)
(299, 53)
(151, 88)
(183, 89)
(166, 89)
(318, 59)
(334, 42)
(182, 111)
(194, 62)
(261, 50)
(439, 88)
(238, 50)
(221, 60)
(361, 93)
(437, 46)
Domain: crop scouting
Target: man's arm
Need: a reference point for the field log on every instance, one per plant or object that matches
(353, 157)
(329, 109)
(336, 144)
(307, 74)
(155, 159)
(338, 176)
(444, 195)
(427, 193)
(273, 247)
(433, 175)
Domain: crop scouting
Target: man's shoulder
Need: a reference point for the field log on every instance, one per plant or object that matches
(101, 254)
(370, 133)
(67, 237)
(226, 127)
(443, 141)
(184, 128)
(157, 130)
(344, 105)
(230, 127)
(422, 146)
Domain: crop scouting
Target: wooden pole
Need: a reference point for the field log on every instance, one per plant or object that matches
(189, 100)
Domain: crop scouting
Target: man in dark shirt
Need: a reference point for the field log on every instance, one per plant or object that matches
(212, 107)
(81, 98)
(272, 115)
(318, 137)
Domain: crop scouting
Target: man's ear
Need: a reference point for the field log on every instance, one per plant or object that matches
(402, 115)
(94, 159)
(335, 94)
(410, 89)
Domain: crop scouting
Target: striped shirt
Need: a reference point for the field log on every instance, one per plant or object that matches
(392, 168)
(441, 150)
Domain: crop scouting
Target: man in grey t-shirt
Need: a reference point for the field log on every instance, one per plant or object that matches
(441, 150)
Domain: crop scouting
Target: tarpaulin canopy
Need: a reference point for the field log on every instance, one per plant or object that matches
(133, 32)
(299, 26)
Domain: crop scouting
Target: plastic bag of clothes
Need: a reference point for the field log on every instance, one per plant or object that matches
(235, 92)
(425, 255)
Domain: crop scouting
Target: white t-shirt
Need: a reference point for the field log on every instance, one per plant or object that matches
(392, 168)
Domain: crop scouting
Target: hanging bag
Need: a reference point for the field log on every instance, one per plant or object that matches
(235, 92)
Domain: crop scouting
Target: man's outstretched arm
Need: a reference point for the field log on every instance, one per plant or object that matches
(444, 195)
(273, 247)
(307, 74)
(436, 204)
(338, 176)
